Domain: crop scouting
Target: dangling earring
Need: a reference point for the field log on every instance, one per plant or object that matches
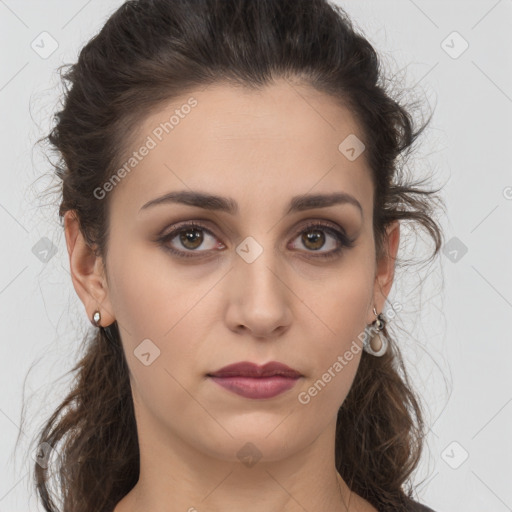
(96, 319)
(375, 342)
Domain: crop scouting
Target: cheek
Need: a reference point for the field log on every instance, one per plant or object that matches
(335, 320)
(339, 303)
(163, 321)
(160, 311)
(150, 296)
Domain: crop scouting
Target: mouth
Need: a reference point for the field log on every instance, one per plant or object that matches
(253, 381)
(256, 387)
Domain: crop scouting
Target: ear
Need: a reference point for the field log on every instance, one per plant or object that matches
(87, 272)
(385, 270)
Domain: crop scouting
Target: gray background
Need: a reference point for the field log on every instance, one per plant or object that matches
(458, 347)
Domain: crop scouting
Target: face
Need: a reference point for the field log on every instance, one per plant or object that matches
(262, 275)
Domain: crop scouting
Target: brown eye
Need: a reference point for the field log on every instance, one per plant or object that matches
(316, 236)
(313, 239)
(191, 238)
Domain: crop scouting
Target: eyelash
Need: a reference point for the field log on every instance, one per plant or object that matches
(343, 241)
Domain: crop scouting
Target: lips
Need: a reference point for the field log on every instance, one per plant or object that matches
(248, 369)
(252, 381)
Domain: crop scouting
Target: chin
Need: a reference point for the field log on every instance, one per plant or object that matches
(250, 444)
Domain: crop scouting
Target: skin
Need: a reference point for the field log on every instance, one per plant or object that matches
(259, 148)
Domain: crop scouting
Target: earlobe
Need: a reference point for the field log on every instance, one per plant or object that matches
(87, 272)
(385, 271)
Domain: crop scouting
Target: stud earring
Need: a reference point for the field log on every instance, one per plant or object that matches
(375, 342)
(96, 317)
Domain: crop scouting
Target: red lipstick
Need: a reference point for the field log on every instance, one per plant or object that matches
(253, 381)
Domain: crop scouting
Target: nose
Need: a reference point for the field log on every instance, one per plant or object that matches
(259, 296)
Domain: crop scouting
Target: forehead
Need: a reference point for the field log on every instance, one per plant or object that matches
(282, 139)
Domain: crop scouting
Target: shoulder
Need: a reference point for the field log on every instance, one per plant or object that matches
(418, 507)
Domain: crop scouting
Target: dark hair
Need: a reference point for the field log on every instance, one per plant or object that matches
(147, 53)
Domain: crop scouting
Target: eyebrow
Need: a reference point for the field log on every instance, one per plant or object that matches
(229, 205)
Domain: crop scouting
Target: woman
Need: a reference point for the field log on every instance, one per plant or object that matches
(232, 206)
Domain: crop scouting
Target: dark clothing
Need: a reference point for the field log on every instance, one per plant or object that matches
(418, 507)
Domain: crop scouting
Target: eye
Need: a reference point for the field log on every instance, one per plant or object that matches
(313, 237)
(190, 236)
